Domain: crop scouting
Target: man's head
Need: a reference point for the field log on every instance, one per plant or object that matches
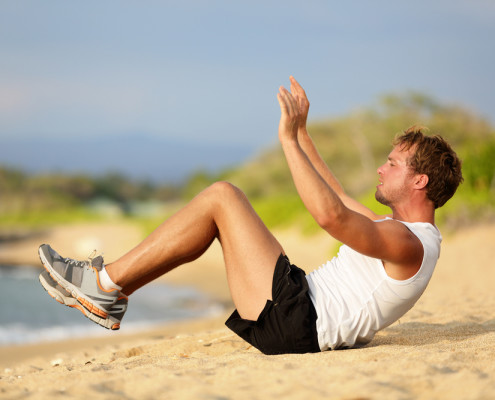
(431, 156)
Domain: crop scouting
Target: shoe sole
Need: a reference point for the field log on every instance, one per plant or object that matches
(71, 302)
(72, 290)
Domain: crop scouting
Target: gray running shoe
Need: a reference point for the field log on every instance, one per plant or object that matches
(56, 291)
(80, 279)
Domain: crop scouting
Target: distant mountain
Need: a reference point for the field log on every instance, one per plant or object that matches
(136, 156)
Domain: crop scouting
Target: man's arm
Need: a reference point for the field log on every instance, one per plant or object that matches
(389, 240)
(308, 146)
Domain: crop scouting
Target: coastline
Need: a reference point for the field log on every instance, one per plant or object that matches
(442, 349)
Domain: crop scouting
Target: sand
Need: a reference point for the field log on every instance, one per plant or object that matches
(444, 348)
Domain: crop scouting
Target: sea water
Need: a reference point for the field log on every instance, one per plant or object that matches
(29, 315)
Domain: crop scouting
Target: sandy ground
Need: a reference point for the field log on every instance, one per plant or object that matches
(444, 348)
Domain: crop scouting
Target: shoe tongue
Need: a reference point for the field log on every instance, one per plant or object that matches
(97, 262)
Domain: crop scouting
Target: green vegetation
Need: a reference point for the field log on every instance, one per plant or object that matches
(353, 145)
(38, 200)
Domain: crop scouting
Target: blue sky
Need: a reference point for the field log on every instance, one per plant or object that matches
(208, 71)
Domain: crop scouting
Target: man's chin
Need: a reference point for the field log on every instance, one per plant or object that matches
(381, 199)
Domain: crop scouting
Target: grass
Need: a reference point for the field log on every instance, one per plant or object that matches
(34, 220)
(468, 206)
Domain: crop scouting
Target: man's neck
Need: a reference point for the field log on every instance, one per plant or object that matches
(415, 214)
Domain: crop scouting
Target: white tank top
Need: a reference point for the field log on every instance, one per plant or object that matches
(355, 298)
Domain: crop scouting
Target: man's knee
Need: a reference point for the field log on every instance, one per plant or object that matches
(226, 191)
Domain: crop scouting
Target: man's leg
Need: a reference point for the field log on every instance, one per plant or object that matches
(221, 211)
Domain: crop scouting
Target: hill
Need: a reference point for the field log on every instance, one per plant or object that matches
(355, 145)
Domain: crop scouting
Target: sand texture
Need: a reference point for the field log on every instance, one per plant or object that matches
(444, 348)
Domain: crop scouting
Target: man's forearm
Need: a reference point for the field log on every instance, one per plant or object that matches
(309, 148)
(318, 187)
(314, 156)
(321, 200)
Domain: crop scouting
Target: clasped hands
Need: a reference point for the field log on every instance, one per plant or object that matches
(294, 107)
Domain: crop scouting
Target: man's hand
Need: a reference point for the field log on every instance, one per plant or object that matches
(294, 106)
(301, 100)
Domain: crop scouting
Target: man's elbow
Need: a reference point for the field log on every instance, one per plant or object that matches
(331, 220)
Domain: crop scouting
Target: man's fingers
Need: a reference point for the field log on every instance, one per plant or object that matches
(283, 106)
(299, 94)
(295, 87)
(282, 99)
(286, 97)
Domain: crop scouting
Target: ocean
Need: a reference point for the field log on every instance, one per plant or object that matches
(29, 315)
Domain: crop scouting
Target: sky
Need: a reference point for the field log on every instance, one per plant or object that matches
(207, 72)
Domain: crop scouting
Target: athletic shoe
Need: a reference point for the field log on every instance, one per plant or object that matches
(81, 280)
(56, 291)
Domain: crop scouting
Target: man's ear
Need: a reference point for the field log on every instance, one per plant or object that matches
(421, 181)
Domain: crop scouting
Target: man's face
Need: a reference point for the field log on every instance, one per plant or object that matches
(395, 177)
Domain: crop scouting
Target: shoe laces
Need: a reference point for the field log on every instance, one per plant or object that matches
(77, 263)
(83, 263)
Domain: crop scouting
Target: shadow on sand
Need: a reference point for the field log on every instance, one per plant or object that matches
(420, 333)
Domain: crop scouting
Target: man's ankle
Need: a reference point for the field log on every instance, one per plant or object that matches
(106, 282)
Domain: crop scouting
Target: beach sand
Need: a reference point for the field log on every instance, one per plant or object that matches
(444, 348)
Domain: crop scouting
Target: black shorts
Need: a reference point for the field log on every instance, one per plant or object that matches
(287, 324)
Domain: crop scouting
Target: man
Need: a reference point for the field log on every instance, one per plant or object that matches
(380, 272)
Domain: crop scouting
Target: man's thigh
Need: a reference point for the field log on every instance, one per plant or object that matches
(250, 252)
